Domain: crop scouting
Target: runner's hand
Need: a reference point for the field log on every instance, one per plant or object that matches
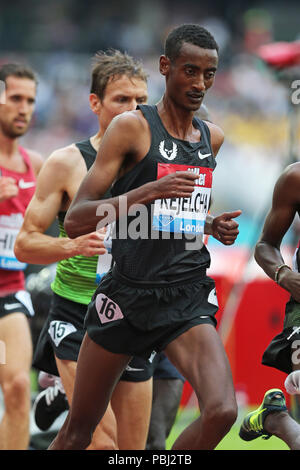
(178, 184)
(8, 188)
(90, 244)
(224, 228)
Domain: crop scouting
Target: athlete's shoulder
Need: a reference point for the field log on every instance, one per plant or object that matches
(287, 187)
(217, 136)
(36, 160)
(65, 157)
(292, 171)
(61, 167)
(130, 121)
(289, 180)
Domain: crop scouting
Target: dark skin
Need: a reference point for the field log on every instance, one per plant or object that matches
(285, 206)
(198, 353)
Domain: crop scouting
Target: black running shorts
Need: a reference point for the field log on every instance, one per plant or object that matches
(63, 333)
(281, 352)
(18, 302)
(127, 318)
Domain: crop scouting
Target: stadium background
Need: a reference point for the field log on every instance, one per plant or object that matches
(249, 100)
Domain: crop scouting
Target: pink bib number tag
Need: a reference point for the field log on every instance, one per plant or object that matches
(107, 309)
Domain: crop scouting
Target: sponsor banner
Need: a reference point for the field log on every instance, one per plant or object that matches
(184, 215)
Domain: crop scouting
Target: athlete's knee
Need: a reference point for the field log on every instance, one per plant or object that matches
(16, 392)
(222, 414)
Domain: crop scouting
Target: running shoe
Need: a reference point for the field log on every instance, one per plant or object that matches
(253, 424)
(48, 405)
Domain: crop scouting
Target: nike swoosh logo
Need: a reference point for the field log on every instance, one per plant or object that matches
(132, 369)
(26, 184)
(203, 155)
(11, 306)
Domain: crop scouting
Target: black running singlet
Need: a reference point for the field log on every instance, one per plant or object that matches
(155, 259)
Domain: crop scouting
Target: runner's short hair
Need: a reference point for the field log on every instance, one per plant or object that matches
(17, 70)
(113, 64)
(188, 33)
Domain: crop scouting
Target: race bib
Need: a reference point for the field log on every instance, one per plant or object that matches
(9, 229)
(107, 309)
(58, 330)
(185, 215)
(105, 261)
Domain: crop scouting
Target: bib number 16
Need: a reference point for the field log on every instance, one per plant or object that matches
(107, 309)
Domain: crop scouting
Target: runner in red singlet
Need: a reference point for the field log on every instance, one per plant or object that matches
(18, 171)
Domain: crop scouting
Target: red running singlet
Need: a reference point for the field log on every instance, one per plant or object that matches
(11, 218)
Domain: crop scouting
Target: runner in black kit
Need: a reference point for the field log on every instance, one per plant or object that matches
(168, 383)
(157, 297)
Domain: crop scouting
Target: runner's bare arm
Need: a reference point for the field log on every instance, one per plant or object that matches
(126, 137)
(32, 244)
(286, 200)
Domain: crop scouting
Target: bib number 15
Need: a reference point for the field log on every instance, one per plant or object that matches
(107, 309)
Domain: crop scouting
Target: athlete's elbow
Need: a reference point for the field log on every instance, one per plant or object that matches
(19, 249)
(70, 225)
(258, 250)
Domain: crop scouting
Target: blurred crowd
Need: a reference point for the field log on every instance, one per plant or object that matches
(249, 101)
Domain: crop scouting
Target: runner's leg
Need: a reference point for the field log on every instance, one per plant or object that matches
(199, 356)
(15, 381)
(131, 403)
(105, 435)
(98, 372)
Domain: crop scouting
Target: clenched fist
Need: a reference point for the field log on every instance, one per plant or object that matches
(90, 244)
(8, 188)
(224, 228)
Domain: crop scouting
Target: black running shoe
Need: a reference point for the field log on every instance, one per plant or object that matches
(48, 405)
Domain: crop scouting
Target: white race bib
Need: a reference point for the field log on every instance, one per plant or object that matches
(9, 229)
(58, 330)
(185, 215)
